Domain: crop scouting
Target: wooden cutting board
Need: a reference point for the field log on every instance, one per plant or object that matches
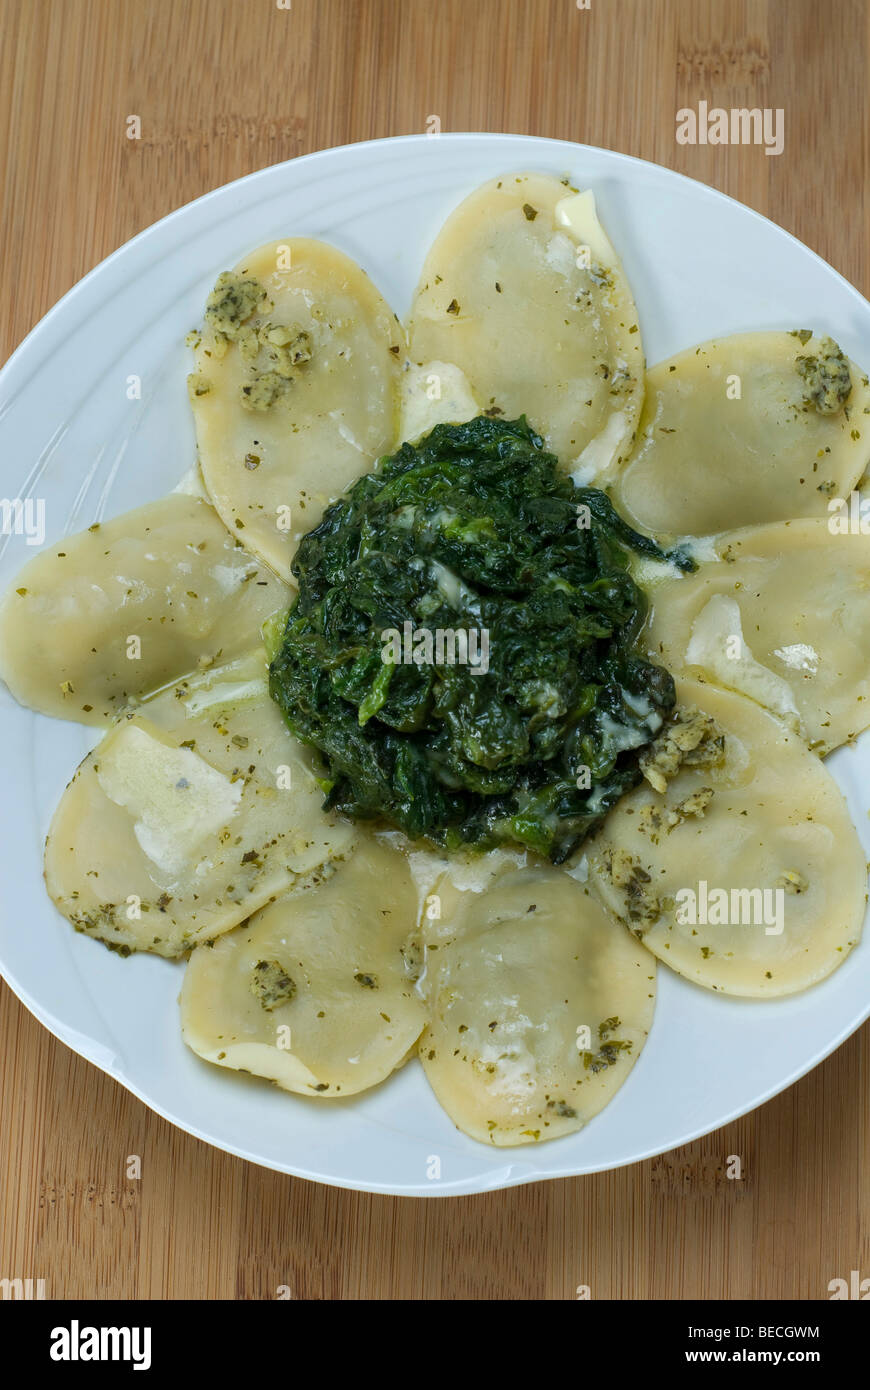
(222, 88)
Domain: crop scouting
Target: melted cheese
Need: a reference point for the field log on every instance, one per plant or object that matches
(434, 393)
(176, 800)
(718, 647)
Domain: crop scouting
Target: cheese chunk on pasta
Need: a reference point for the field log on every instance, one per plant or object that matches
(188, 816)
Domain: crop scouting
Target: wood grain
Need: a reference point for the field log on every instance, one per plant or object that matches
(223, 87)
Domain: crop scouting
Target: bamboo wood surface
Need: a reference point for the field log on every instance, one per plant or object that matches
(224, 87)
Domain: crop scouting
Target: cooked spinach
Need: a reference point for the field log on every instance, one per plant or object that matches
(476, 530)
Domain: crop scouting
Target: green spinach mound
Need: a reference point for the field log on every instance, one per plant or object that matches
(477, 529)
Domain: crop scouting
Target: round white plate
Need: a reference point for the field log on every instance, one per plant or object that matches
(700, 265)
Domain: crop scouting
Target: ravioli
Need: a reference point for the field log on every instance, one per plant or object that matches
(315, 992)
(295, 390)
(523, 291)
(744, 430)
(539, 1006)
(802, 595)
(104, 617)
(188, 816)
(735, 862)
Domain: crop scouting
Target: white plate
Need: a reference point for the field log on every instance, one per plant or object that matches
(700, 265)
